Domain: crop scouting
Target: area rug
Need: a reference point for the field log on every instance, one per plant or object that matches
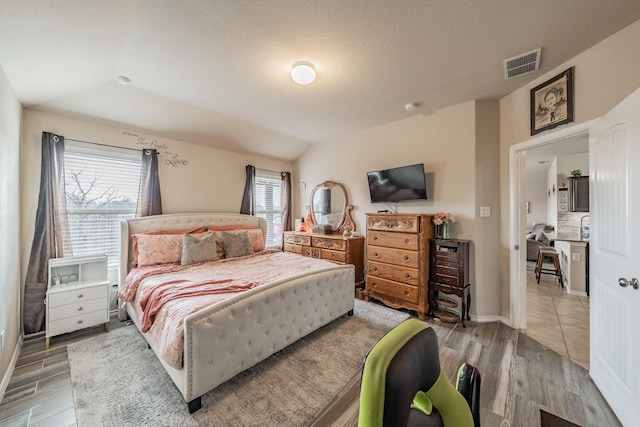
(549, 420)
(117, 381)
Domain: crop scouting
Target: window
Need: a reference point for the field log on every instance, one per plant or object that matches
(101, 189)
(268, 195)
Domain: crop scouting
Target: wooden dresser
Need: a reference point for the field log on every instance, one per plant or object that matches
(330, 247)
(398, 260)
(450, 275)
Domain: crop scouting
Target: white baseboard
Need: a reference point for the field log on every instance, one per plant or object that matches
(12, 365)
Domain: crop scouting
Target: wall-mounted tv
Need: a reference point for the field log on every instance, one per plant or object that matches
(398, 184)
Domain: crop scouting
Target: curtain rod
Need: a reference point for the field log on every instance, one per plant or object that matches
(103, 145)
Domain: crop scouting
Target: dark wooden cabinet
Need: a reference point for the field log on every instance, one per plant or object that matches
(579, 193)
(449, 274)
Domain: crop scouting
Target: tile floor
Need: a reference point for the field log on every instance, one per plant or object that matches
(556, 319)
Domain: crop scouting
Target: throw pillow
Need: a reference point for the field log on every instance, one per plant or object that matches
(196, 250)
(236, 244)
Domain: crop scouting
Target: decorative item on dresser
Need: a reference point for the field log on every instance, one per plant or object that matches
(449, 274)
(331, 247)
(77, 294)
(398, 260)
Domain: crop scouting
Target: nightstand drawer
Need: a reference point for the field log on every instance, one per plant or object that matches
(70, 324)
(67, 296)
(76, 308)
(448, 280)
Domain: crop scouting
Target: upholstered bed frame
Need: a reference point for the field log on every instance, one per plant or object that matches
(223, 340)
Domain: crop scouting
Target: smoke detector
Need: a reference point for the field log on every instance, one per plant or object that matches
(522, 64)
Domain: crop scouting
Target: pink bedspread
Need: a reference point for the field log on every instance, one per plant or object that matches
(198, 286)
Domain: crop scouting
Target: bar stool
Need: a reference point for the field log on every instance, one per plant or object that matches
(549, 252)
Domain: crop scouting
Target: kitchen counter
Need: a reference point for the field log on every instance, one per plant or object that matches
(566, 237)
(574, 261)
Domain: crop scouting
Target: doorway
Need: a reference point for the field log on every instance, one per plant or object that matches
(557, 143)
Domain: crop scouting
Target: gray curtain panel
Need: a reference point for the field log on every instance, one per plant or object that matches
(149, 198)
(50, 232)
(286, 201)
(248, 206)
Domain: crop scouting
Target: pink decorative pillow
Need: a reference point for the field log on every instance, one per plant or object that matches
(161, 248)
(134, 238)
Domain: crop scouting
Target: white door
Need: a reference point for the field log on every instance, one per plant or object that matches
(614, 143)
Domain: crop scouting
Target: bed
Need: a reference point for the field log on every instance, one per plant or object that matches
(237, 332)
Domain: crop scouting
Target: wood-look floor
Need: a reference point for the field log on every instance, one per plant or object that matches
(519, 376)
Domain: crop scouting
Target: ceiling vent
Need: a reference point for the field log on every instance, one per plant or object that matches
(521, 64)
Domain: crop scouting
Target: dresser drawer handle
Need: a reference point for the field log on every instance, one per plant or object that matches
(80, 295)
(407, 276)
(79, 321)
(333, 256)
(375, 237)
(406, 293)
(375, 254)
(80, 308)
(407, 241)
(406, 258)
(315, 255)
(375, 269)
(296, 240)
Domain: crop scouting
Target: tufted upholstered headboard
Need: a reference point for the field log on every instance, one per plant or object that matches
(177, 221)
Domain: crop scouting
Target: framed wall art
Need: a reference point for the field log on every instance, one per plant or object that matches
(552, 102)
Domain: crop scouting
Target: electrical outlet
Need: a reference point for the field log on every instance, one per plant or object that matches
(575, 256)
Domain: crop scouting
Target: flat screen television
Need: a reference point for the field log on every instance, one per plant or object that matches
(398, 184)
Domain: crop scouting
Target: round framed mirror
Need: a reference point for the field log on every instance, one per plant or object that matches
(329, 205)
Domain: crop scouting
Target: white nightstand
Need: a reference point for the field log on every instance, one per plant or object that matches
(77, 294)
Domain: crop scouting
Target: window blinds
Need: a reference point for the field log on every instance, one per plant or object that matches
(268, 196)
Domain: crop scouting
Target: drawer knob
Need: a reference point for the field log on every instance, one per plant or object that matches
(375, 268)
(407, 241)
(80, 308)
(406, 293)
(80, 295)
(406, 258)
(375, 237)
(407, 276)
(375, 254)
(79, 321)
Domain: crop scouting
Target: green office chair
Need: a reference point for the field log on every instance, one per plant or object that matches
(403, 384)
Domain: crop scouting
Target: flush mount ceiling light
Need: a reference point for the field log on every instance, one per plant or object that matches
(123, 80)
(303, 73)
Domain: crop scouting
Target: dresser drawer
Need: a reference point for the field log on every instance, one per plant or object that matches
(80, 321)
(333, 255)
(393, 272)
(76, 308)
(401, 257)
(407, 293)
(311, 252)
(390, 239)
(407, 223)
(335, 244)
(68, 296)
(296, 249)
(297, 239)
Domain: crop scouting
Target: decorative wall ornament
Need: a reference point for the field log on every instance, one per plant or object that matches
(170, 158)
(552, 102)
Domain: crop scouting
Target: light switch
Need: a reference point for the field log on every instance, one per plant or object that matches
(485, 211)
(575, 256)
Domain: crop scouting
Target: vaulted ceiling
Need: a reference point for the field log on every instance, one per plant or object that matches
(216, 72)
